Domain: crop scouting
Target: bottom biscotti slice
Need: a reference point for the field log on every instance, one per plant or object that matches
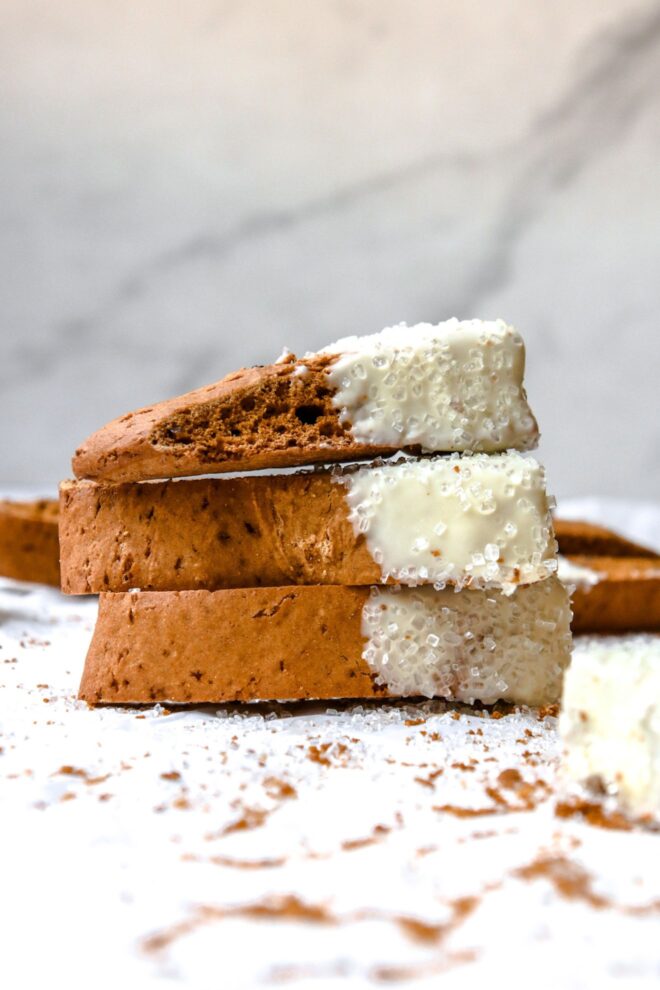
(29, 544)
(329, 642)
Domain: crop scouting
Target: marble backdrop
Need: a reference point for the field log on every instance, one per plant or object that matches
(186, 187)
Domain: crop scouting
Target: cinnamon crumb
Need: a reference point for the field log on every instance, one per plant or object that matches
(569, 880)
(251, 818)
(593, 813)
(459, 812)
(277, 788)
(510, 779)
(497, 798)
(429, 780)
(377, 834)
(246, 864)
(321, 753)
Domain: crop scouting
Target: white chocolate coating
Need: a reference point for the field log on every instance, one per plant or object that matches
(575, 575)
(474, 645)
(610, 719)
(474, 520)
(454, 386)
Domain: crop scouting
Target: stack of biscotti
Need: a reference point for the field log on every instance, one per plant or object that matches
(428, 572)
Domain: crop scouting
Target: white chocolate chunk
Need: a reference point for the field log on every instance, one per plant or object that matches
(472, 645)
(610, 719)
(454, 386)
(472, 520)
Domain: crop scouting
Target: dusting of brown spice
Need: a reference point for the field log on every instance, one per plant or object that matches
(593, 813)
(510, 779)
(291, 907)
(278, 788)
(321, 753)
(459, 812)
(251, 818)
(378, 833)
(429, 780)
(569, 880)
(69, 771)
(574, 883)
(288, 907)
(397, 974)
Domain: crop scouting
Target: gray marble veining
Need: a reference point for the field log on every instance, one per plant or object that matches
(186, 188)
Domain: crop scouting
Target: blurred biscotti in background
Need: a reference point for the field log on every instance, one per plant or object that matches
(29, 545)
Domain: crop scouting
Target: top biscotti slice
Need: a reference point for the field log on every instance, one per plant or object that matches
(457, 386)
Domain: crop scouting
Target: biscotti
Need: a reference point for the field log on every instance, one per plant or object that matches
(582, 539)
(467, 520)
(614, 594)
(330, 642)
(457, 386)
(29, 547)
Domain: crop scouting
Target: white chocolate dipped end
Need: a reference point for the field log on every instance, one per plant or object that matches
(575, 575)
(475, 645)
(457, 385)
(474, 520)
(610, 720)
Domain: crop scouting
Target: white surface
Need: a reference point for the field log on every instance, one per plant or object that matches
(456, 385)
(187, 187)
(93, 866)
(479, 520)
